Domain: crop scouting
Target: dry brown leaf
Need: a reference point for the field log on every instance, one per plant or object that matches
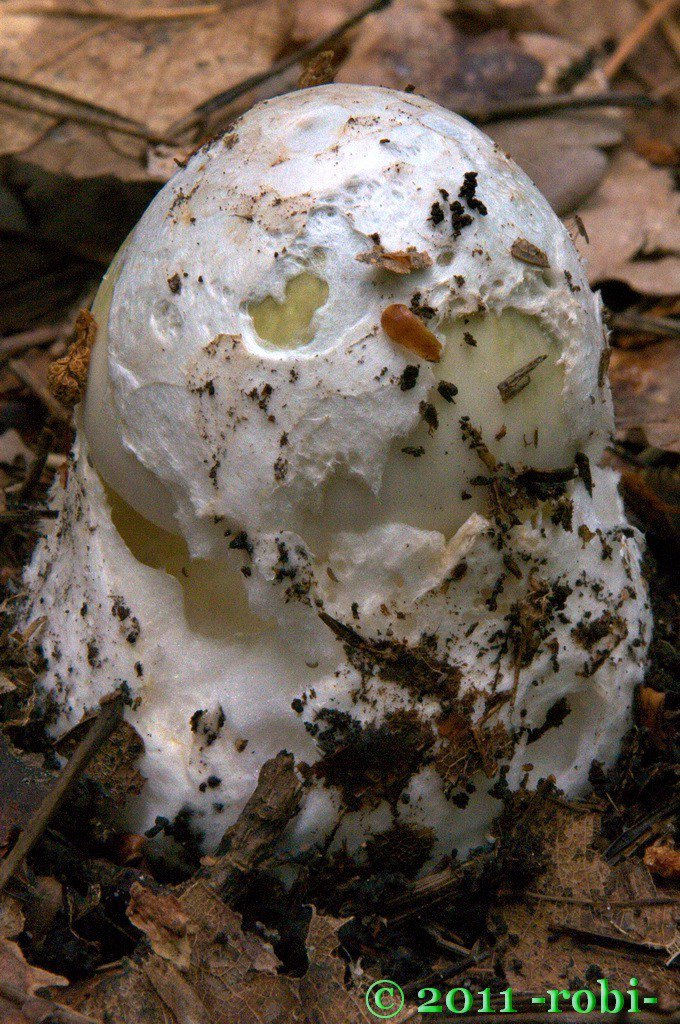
(166, 926)
(19, 983)
(633, 224)
(232, 974)
(646, 387)
(580, 21)
(413, 43)
(562, 154)
(150, 72)
(581, 891)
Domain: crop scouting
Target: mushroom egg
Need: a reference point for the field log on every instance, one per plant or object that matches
(335, 486)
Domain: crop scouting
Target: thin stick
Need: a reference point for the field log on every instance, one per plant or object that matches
(636, 37)
(532, 106)
(102, 727)
(40, 98)
(148, 14)
(224, 99)
(23, 371)
(664, 326)
(13, 344)
(16, 516)
(573, 901)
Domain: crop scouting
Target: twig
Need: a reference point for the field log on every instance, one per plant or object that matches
(143, 14)
(13, 344)
(16, 516)
(532, 106)
(661, 325)
(636, 37)
(28, 96)
(35, 470)
(574, 901)
(223, 99)
(28, 378)
(636, 834)
(102, 727)
(609, 941)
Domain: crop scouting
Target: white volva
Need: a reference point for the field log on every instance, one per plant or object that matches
(282, 529)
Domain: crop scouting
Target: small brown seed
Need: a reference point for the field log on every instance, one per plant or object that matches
(404, 327)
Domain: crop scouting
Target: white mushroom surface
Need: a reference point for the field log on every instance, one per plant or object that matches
(282, 528)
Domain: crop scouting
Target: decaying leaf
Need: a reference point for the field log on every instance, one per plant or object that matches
(67, 377)
(634, 228)
(19, 984)
(577, 912)
(646, 387)
(663, 861)
(231, 975)
(23, 785)
(161, 918)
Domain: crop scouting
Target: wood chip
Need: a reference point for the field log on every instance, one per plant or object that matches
(404, 327)
(320, 70)
(402, 261)
(518, 380)
(529, 253)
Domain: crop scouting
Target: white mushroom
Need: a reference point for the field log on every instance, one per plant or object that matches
(302, 516)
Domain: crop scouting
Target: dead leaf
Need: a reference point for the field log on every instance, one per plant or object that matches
(413, 42)
(634, 229)
(67, 376)
(166, 926)
(23, 784)
(19, 983)
(563, 155)
(184, 61)
(646, 387)
(579, 890)
(232, 974)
